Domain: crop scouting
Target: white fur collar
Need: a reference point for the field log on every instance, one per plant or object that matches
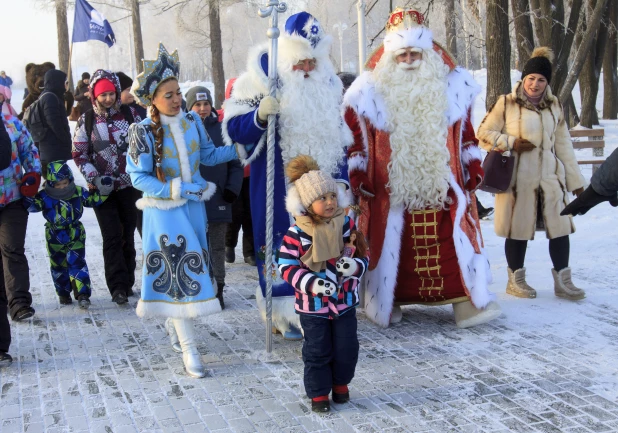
(169, 120)
(363, 98)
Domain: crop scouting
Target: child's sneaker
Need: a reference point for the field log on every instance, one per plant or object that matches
(84, 302)
(341, 394)
(65, 300)
(320, 404)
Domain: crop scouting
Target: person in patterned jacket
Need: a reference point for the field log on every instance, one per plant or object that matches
(100, 151)
(325, 280)
(62, 204)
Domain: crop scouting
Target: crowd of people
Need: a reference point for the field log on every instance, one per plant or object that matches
(378, 174)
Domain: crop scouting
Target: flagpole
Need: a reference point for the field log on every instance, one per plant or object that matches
(272, 10)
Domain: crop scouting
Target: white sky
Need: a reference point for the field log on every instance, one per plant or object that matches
(27, 35)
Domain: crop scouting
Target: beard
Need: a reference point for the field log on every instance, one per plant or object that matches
(416, 102)
(310, 121)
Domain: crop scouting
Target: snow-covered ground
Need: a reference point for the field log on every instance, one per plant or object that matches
(546, 365)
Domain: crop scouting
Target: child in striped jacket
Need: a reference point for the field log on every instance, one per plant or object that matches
(326, 283)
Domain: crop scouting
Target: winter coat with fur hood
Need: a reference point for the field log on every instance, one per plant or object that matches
(105, 154)
(541, 177)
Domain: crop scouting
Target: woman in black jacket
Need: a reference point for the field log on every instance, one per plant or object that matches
(228, 178)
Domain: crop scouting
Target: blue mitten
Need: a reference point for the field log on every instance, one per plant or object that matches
(191, 191)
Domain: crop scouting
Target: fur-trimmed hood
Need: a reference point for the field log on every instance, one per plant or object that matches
(366, 101)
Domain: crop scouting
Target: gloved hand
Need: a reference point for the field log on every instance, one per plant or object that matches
(361, 185)
(105, 184)
(321, 288)
(522, 145)
(476, 175)
(191, 191)
(269, 105)
(586, 201)
(30, 183)
(347, 266)
(228, 196)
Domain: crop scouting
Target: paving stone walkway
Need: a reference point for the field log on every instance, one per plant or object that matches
(546, 366)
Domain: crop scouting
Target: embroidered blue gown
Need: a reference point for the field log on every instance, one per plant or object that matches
(176, 280)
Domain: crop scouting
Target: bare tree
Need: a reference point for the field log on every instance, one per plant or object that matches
(216, 52)
(523, 31)
(138, 43)
(450, 22)
(64, 50)
(610, 63)
(498, 51)
(589, 77)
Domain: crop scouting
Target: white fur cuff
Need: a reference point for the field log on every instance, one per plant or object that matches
(210, 190)
(293, 203)
(470, 153)
(176, 188)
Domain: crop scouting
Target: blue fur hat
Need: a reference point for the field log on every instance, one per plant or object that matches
(305, 25)
(304, 38)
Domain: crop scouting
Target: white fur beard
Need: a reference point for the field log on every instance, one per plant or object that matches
(417, 104)
(310, 120)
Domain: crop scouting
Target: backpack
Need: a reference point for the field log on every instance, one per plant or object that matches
(89, 122)
(34, 122)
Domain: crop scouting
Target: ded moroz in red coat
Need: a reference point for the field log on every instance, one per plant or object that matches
(366, 114)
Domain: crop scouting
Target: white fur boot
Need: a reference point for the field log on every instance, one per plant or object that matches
(564, 287)
(285, 319)
(467, 315)
(190, 355)
(171, 331)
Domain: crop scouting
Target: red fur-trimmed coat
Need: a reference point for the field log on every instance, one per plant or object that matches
(368, 158)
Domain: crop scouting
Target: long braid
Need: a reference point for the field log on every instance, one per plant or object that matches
(157, 131)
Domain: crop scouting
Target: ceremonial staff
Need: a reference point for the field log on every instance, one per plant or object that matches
(272, 10)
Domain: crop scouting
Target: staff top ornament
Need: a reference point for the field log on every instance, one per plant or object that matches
(405, 29)
(155, 71)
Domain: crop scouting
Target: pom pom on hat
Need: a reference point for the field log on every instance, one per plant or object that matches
(309, 181)
(540, 63)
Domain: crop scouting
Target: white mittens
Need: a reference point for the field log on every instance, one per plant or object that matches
(323, 288)
(268, 106)
(347, 266)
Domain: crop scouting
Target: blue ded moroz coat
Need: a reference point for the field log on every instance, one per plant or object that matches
(176, 280)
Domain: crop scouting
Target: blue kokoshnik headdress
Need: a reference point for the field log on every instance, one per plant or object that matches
(155, 71)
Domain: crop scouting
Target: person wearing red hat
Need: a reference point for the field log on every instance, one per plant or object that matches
(414, 166)
(100, 148)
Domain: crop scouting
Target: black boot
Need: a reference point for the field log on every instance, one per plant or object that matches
(230, 255)
(220, 294)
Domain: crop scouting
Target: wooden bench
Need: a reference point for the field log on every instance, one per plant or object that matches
(595, 141)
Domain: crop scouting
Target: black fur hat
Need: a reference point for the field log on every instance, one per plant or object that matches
(539, 63)
(125, 81)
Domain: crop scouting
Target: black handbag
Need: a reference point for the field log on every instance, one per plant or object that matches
(498, 169)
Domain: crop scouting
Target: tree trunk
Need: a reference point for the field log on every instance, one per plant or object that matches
(570, 113)
(498, 51)
(451, 28)
(137, 36)
(540, 23)
(554, 10)
(610, 63)
(64, 48)
(523, 31)
(216, 53)
(562, 55)
(589, 78)
(578, 63)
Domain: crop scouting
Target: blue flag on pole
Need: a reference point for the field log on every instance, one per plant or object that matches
(90, 24)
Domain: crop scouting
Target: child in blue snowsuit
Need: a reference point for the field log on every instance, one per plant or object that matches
(62, 204)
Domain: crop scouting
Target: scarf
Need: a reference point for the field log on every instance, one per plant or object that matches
(61, 193)
(534, 100)
(327, 239)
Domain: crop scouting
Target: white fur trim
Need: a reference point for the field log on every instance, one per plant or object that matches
(176, 188)
(345, 197)
(380, 290)
(366, 102)
(177, 310)
(462, 90)
(470, 153)
(211, 188)
(474, 267)
(284, 313)
(181, 147)
(357, 163)
(163, 204)
(294, 48)
(293, 203)
(416, 37)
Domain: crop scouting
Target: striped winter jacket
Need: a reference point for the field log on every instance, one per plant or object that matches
(294, 245)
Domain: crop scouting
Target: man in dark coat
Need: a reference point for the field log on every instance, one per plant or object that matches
(82, 94)
(603, 187)
(56, 144)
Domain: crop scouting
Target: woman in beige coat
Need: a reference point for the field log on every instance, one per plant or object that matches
(529, 122)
